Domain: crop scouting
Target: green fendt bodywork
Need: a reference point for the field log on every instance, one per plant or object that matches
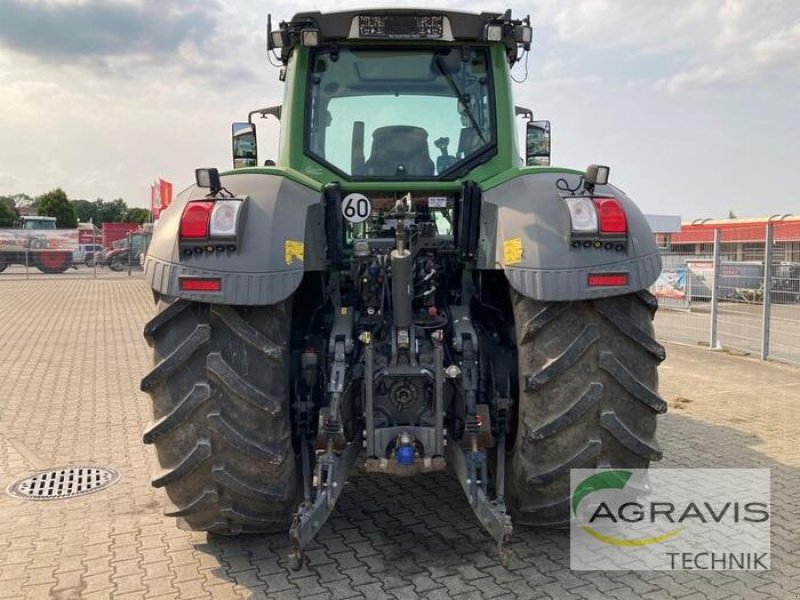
(398, 287)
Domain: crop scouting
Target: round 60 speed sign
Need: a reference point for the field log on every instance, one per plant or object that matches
(356, 208)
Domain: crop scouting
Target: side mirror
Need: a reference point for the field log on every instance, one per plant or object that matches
(245, 150)
(537, 144)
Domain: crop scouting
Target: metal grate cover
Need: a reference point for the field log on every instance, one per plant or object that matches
(66, 482)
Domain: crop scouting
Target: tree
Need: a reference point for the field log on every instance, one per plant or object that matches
(23, 201)
(84, 210)
(120, 210)
(732, 215)
(101, 211)
(55, 204)
(110, 212)
(7, 212)
(137, 215)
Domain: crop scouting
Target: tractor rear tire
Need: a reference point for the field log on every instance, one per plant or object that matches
(118, 264)
(587, 397)
(53, 261)
(222, 430)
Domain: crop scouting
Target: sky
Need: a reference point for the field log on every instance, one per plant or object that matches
(695, 104)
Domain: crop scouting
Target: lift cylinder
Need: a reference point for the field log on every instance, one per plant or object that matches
(402, 288)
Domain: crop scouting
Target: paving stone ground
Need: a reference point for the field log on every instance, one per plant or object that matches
(71, 355)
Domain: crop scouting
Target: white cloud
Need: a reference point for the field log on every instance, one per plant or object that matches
(571, 81)
(7, 182)
(735, 18)
(704, 76)
(649, 27)
(740, 58)
(719, 44)
(553, 66)
(781, 47)
(27, 98)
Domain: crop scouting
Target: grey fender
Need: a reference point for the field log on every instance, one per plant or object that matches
(280, 238)
(525, 230)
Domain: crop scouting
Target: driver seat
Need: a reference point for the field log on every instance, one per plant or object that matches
(400, 149)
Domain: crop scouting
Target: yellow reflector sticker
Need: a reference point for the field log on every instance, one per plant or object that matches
(293, 250)
(512, 251)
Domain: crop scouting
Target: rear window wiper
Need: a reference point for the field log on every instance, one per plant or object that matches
(462, 98)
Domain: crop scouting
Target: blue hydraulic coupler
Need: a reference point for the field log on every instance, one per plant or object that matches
(405, 451)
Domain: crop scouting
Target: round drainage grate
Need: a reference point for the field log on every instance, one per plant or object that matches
(63, 483)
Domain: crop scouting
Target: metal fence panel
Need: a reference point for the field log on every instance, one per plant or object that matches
(741, 289)
(683, 299)
(784, 310)
(742, 292)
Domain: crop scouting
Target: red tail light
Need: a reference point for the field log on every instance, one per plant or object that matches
(611, 215)
(195, 219)
(197, 284)
(608, 279)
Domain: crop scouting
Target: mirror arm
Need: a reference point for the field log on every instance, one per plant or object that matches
(521, 111)
(275, 111)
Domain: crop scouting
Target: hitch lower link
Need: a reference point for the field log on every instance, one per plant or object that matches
(331, 467)
(330, 475)
(471, 463)
(471, 470)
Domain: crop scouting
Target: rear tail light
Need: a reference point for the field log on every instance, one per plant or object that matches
(582, 214)
(225, 218)
(200, 284)
(596, 215)
(195, 220)
(611, 215)
(608, 279)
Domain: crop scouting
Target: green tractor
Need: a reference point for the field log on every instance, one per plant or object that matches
(399, 290)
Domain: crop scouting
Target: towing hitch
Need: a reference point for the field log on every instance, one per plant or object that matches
(331, 474)
(471, 471)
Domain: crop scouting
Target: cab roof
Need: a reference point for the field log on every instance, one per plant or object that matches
(337, 25)
(400, 25)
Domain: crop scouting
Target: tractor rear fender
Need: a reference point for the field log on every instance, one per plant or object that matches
(526, 231)
(281, 237)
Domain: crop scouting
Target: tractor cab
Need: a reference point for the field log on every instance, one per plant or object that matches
(395, 95)
(37, 222)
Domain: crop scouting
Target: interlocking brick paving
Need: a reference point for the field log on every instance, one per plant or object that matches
(71, 355)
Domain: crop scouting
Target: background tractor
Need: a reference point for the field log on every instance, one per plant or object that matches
(398, 290)
(31, 243)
